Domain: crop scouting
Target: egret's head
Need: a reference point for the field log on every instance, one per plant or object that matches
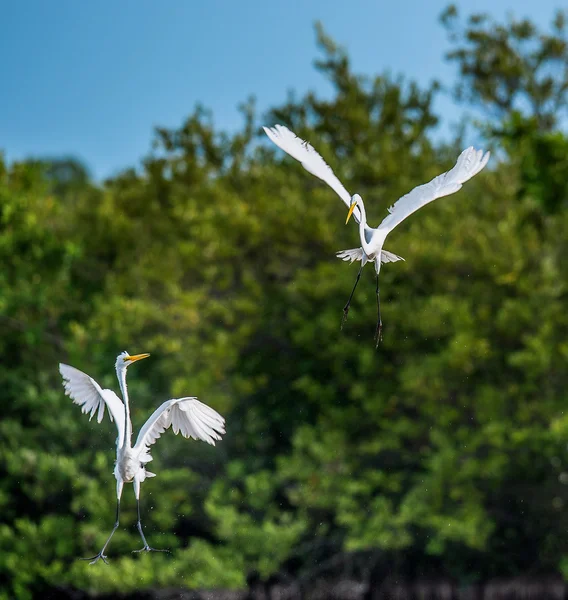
(355, 199)
(124, 360)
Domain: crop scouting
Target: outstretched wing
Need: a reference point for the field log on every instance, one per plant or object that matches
(186, 415)
(89, 395)
(311, 161)
(469, 163)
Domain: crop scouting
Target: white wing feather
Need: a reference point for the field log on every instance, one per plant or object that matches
(186, 415)
(469, 163)
(89, 395)
(311, 161)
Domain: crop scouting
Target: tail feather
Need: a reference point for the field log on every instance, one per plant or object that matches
(350, 255)
(387, 257)
(357, 254)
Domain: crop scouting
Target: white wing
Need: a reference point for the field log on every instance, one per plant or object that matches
(186, 415)
(89, 395)
(469, 163)
(311, 161)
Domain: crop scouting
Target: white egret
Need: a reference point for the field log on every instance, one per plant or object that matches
(469, 163)
(186, 415)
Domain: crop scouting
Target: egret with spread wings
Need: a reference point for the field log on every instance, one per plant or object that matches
(186, 415)
(469, 163)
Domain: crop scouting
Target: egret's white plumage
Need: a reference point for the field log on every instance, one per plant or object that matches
(89, 395)
(305, 153)
(469, 163)
(187, 416)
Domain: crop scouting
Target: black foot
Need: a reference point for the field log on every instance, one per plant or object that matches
(378, 334)
(94, 559)
(149, 549)
(344, 317)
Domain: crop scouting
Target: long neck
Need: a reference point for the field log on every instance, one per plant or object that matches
(126, 442)
(362, 226)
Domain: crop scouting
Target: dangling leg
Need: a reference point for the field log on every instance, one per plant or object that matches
(101, 554)
(378, 330)
(346, 307)
(146, 548)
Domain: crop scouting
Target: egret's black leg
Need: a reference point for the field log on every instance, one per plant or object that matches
(379, 329)
(346, 307)
(101, 554)
(139, 526)
(146, 547)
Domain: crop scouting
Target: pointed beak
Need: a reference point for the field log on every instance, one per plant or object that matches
(351, 209)
(135, 357)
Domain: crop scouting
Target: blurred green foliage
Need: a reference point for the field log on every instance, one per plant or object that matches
(443, 450)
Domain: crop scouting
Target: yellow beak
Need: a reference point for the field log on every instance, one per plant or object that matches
(135, 357)
(351, 209)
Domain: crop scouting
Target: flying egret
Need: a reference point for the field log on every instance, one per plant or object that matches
(186, 415)
(469, 163)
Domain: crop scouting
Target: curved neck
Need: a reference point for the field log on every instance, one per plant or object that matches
(363, 226)
(127, 424)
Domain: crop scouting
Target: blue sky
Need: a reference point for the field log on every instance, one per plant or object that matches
(92, 79)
